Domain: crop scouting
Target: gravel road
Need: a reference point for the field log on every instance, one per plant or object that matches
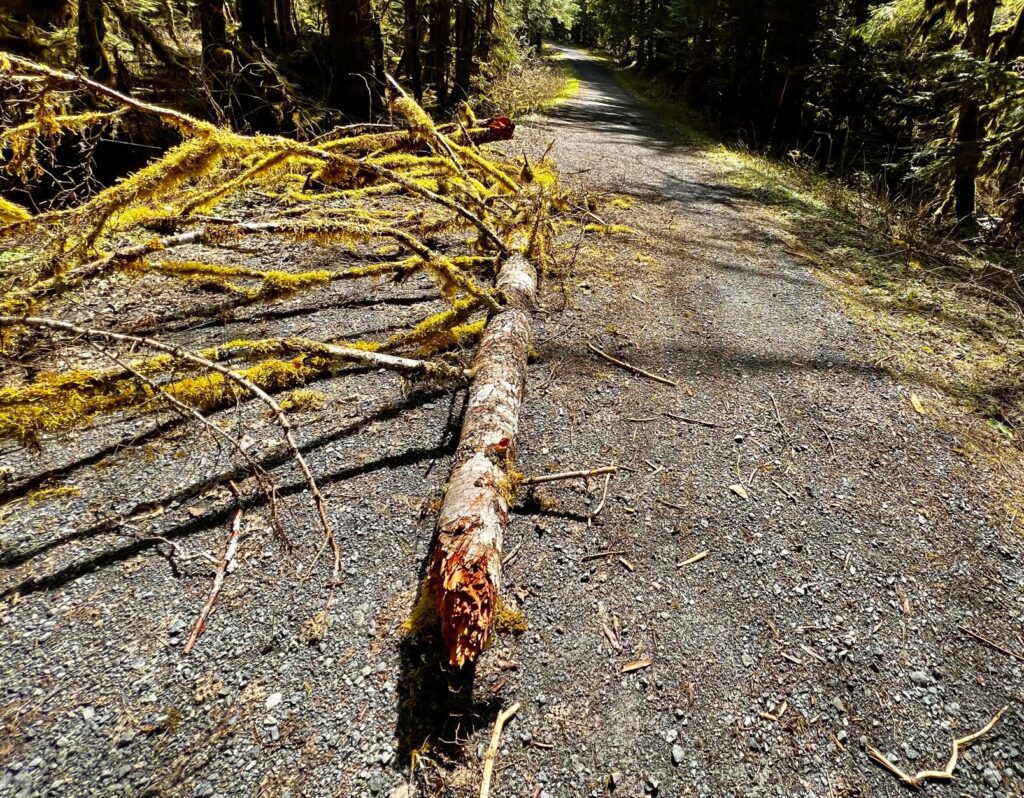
(848, 545)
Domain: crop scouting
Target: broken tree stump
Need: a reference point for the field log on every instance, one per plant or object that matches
(465, 569)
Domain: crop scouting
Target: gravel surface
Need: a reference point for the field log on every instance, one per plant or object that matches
(826, 614)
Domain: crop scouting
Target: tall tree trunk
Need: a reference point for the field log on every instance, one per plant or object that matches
(440, 36)
(968, 130)
(213, 28)
(793, 25)
(413, 65)
(465, 47)
(354, 86)
(252, 21)
(286, 33)
(641, 34)
(483, 52)
(91, 32)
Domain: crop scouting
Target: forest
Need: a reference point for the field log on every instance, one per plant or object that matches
(475, 398)
(922, 100)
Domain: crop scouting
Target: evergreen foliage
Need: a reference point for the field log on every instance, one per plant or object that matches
(923, 98)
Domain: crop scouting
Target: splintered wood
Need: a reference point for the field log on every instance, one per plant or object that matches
(465, 570)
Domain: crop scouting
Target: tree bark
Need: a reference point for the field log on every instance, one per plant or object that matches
(465, 569)
(213, 27)
(252, 21)
(440, 36)
(465, 48)
(285, 22)
(91, 32)
(353, 88)
(968, 129)
(483, 52)
(413, 65)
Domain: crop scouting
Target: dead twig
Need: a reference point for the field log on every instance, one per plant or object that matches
(946, 774)
(689, 420)
(263, 479)
(789, 495)
(630, 367)
(604, 498)
(492, 749)
(569, 475)
(230, 549)
(991, 643)
(828, 437)
(599, 555)
(778, 415)
(695, 558)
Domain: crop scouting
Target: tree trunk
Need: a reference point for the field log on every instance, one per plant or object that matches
(465, 569)
(440, 36)
(91, 32)
(216, 62)
(212, 28)
(483, 52)
(413, 65)
(968, 130)
(353, 87)
(285, 23)
(252, 21)
(465, 47)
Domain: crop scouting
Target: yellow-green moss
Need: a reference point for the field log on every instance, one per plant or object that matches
(45, 494)
(508, 620)
(424, 618)
(304, 399)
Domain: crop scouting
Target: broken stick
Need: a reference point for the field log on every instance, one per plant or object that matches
(920, 778)
(622, 364)
(594, 472)
(230, 549)
(492, 749)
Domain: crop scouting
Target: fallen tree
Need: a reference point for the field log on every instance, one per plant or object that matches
(465, 569)
(423, 200)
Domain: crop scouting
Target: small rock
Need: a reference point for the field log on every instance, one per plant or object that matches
(274, 699)
(838, 704)
(671, 736)
(88, 713)
(921, 678)
(204, 789)
(747, 660)
(677, 754)
(992, 777)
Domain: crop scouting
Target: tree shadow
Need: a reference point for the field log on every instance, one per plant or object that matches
(217, 516)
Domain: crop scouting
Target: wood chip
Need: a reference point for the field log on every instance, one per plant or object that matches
(695, 558)
(637, 664)
(739, 490)
(915, 400)
(811, 652)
